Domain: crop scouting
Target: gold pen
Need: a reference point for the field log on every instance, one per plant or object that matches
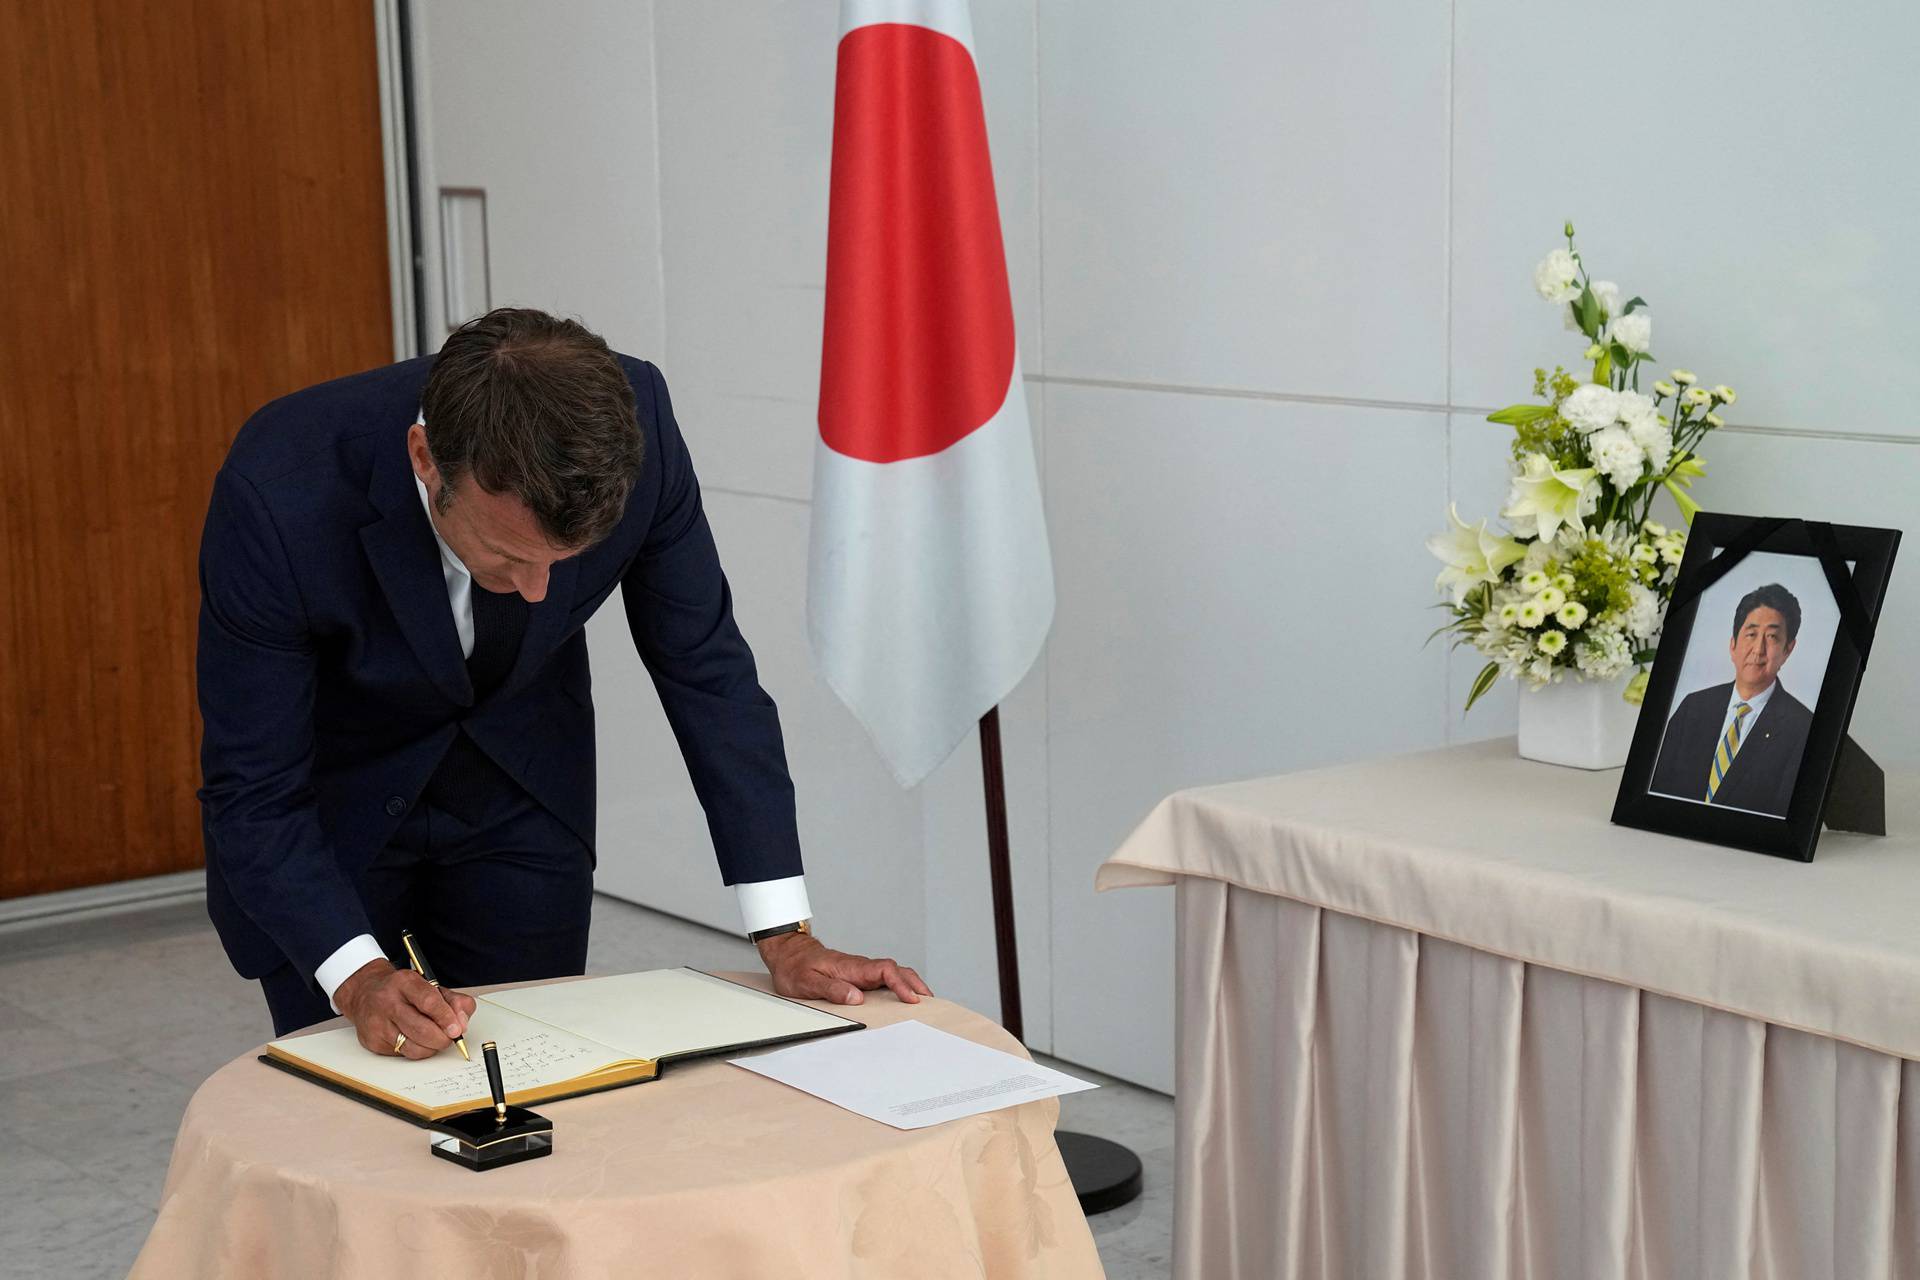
(419, 963)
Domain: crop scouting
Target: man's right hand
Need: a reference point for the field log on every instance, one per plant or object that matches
(385, 1003)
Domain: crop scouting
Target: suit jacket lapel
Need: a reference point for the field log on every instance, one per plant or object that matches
(401, 548)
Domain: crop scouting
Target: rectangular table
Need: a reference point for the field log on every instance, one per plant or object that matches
(1438, 1017)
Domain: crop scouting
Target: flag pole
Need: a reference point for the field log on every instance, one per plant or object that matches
(993, 771)
(1105, 1175)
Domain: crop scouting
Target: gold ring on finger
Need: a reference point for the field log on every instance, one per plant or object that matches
(399, 1043)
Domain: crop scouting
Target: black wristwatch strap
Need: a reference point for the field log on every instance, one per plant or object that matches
(797, 926)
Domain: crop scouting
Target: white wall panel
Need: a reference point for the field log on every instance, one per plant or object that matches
(1247, 194)
(1747, 167)
(1237, 597)
(549, 110)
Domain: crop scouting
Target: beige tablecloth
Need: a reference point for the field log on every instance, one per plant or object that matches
(710, 1171)
(1438, 1018)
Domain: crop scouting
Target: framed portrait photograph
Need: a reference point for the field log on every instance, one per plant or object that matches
(1753, 686)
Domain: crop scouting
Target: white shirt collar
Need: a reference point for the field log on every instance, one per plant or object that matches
(446, 552)
(452, 561)
(1757, 702)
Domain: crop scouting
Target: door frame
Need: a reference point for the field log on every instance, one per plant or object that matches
(399, 146)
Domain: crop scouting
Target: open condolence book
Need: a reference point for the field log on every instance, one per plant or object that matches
(562, 1039)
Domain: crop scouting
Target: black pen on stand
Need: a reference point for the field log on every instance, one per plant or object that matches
(494, 1083)
(419, 963)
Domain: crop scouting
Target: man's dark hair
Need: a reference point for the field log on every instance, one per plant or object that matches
(535, 406)
(1771, 596)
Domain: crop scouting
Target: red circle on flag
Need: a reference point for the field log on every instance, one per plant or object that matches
(918, 345)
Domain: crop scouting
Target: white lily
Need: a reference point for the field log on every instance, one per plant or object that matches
(1472, 555)
(1549, 496)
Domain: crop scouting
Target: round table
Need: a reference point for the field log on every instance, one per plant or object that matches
(709, 1171)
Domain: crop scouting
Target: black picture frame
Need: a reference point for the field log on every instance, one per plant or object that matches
(1716, 545)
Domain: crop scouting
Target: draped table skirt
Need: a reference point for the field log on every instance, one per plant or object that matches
(710, 1171)
(1355, 1099)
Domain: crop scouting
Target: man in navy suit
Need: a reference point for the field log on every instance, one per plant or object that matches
(1738, 745)
(395, 574)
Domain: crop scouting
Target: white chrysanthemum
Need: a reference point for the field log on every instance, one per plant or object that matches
(1617, 457)
(1564, 581)
(1714, 420)
(1558, 277)
(1644, 554)
(1534, 582)
(1634, 332)
(1671, 549)
(1633, 406)
(1531, 614)
(1603, 653)
(1685, 377)
(1643, 615)
(1663, 388)
(1654, 529)
(1551, 598)
(1698, 397)
(1570, 615)
(1591, 407)
(1551, 642)
(1655, 440)
(1509, 614)
(1724, 394)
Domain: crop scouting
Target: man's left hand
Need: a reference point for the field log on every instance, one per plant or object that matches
(806, 969)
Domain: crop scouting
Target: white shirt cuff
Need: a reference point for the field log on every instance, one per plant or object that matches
(766, 903)
(346, 962)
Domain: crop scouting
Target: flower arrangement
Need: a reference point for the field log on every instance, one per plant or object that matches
(1578, 582)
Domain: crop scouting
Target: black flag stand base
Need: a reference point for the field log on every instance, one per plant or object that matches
(1105, 1174)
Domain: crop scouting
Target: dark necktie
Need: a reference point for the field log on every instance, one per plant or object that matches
(466, 778)
(498, 623)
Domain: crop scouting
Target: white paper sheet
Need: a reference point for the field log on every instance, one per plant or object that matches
(910, 1075)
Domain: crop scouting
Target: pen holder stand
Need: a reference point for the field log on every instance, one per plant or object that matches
(479, 1140)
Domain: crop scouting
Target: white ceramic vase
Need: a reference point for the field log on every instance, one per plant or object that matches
(1585, 724)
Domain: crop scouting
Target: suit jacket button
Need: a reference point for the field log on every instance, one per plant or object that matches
(396, 806)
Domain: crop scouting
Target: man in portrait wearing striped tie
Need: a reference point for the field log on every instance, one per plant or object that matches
(1738, 745)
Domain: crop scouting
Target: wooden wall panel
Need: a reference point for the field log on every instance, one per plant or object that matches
(192, 222)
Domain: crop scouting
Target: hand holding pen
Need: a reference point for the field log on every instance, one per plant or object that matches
(418, 959)
(398, 1013)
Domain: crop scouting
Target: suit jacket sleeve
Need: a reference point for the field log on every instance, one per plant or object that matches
(680, 611)
(256, 677)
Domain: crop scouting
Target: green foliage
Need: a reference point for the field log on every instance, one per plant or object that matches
(1516, 415)
(1599, 581)
(1482, 683)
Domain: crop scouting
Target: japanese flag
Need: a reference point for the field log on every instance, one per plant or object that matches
(930, 584)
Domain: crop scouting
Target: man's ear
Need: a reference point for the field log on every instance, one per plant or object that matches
(421, 456)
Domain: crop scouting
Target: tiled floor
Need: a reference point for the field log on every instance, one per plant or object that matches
(108, 1023)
